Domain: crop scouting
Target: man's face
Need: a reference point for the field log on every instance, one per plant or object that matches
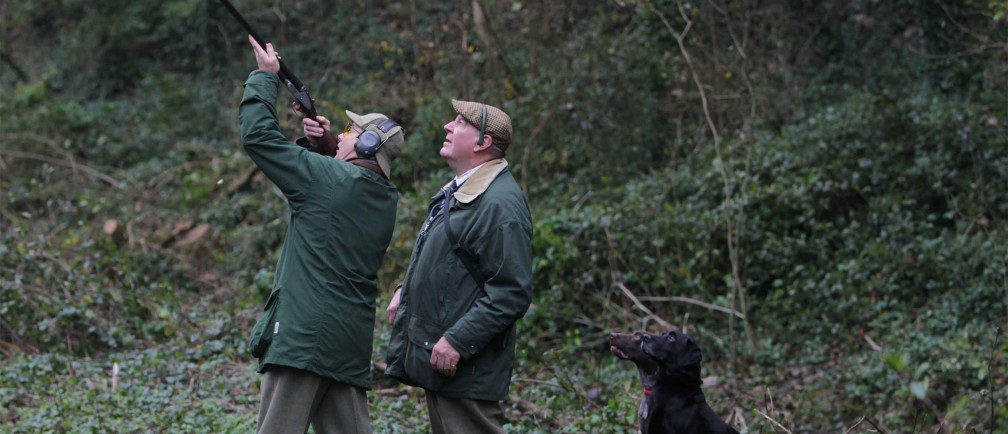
(460, 140)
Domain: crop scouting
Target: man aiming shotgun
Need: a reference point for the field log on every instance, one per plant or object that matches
(313, 339)
(305, 105)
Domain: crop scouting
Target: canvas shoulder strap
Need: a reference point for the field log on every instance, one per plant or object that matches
(469, 260)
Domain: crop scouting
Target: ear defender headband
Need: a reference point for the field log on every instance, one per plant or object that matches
(374, 136)
(479, 141)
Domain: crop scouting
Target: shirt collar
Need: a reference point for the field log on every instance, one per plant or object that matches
(461, 179)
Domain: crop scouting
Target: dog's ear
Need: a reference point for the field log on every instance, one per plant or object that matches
(687, 362)
(692, 354)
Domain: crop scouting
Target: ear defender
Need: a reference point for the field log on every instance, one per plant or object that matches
(374, 136)
(479, 141)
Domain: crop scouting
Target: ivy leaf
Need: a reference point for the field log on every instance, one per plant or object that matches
(919, 389)
(895, 361)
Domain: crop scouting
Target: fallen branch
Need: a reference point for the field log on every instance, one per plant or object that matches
(694, 301)
(21, 345)
(94, 173)
(243, 182)
(774, 422)
(866, 418)
(401, 390)
(530, 408)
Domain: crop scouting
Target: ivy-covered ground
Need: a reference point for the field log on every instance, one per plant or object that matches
(816, 192)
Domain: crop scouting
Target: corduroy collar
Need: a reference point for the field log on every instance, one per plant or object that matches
(480, 180)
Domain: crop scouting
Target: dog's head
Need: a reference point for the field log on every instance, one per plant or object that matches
(671, 355)
(676, 350)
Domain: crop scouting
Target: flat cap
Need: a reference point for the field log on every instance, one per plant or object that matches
(498, 123)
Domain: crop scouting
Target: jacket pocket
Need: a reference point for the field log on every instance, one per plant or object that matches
(422, 337)
(265, 328)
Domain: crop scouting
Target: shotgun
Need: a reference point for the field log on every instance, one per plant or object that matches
(327, 144)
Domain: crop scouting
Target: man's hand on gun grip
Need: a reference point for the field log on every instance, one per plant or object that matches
(314, 130)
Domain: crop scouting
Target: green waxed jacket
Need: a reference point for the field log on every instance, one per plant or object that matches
(490, 217)
(321, 311)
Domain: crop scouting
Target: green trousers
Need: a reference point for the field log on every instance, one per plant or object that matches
(293, 398)
(464, 416)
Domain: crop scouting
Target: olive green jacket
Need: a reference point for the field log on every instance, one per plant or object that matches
(490, 217)
(321, 311)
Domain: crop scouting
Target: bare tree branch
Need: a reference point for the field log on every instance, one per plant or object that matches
(636, 301)
(731, 222)
(94, 173)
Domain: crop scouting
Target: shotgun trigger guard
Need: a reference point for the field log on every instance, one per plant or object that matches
(307, 106)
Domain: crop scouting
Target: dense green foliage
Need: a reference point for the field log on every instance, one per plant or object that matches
(816, 191)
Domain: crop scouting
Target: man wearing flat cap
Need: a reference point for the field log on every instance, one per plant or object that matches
(469, 280)
(314, 336)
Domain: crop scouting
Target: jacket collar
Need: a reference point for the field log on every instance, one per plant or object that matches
(480, 180)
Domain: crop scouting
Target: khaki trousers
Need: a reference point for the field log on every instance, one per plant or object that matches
(464, 416)
(293, 398)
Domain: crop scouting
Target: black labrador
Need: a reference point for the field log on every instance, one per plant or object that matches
(669, 366)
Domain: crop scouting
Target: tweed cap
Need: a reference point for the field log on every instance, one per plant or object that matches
(498, 123)
(393, 142)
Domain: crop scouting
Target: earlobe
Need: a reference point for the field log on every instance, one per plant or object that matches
(483, 143)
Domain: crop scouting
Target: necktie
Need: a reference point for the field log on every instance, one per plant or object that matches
(448, 191)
